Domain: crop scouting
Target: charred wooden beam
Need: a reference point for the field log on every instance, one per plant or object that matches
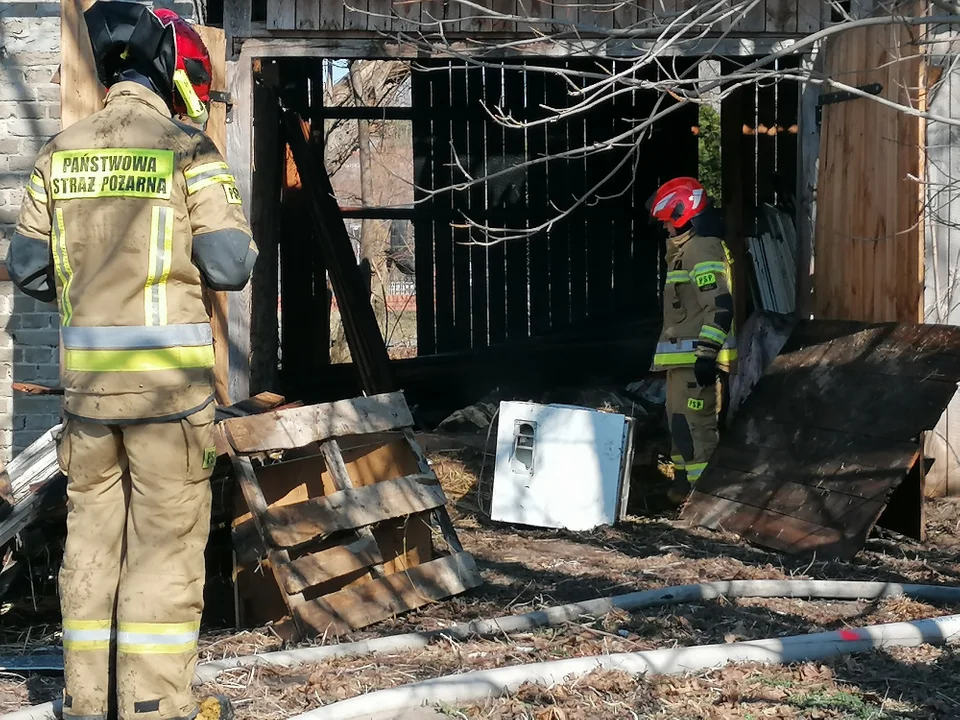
(360, 323)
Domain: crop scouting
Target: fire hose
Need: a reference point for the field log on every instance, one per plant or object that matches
(493, 683)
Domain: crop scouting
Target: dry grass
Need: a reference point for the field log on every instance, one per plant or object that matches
(529, 569)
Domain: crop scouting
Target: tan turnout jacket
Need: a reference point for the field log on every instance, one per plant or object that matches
(697, 304)
(126, 214)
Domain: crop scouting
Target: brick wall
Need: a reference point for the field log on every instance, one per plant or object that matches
(29, 116)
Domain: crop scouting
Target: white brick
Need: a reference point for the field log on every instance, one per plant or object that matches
(33, 128)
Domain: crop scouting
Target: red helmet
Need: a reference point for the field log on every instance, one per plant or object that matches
(191, 79)
(678, 201)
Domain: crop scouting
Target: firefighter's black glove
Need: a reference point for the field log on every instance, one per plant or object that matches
(705, 371)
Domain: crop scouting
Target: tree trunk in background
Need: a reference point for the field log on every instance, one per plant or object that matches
(373, 235)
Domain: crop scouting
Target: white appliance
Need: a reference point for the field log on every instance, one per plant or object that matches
(561, 466)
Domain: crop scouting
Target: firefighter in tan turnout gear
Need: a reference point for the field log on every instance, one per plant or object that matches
(698, 340)
(127, 214)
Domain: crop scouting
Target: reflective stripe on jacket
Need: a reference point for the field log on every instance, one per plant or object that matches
(137, 212)
(697, 304)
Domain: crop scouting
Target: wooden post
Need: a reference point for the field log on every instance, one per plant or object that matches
(81, 93)
(240, 158)
(808, 155)
(734, 197)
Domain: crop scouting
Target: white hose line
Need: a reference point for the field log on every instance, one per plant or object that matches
(44, 711)
(479, 685)
(822, 589)
(677, 595)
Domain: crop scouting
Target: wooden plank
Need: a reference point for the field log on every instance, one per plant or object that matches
(851, 514)
(840, 468)
(577, 174)
(496, 190)
(441, 515)
(325, 565)
(265, 222)
(765, 143)
(539, 208)
(360, 324)
(358, 607)
(293, 525)
(809, 147)
(462, 155)
(379, 15)
(476, 126)
(625, 214)
(355, 15)
(781, 16)
(442, 82)
(515, 153)
(337, 468)
(81, 93)
(423, 221)
(557, 191)
(307, 14)
(770, 529)
(298, 427)
(407, 15)
(870, 242)
(809, 16)
(904, 408)
(241, 158)
(281, 14)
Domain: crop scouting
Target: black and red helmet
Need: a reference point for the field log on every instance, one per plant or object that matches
(157, 44)
(194, 72)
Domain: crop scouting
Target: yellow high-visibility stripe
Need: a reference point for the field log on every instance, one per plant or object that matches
(160, 259)
(112, 172)
(201, 169)
(36, 188)
(726, 355)
(87, 634)
(172, 358)
(62, 267)
(157, 638)
(224, 178)
(695, 470)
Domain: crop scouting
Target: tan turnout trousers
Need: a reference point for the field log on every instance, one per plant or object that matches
(139, 498)
(692, 413)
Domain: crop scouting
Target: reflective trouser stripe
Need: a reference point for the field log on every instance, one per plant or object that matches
(120, 337)
(170, 358)
(61, 264)
(160, 260)
(695, 470)
(678, 276)
(157, 638)
(87, 634)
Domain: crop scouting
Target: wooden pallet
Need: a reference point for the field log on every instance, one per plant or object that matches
(348, 548)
